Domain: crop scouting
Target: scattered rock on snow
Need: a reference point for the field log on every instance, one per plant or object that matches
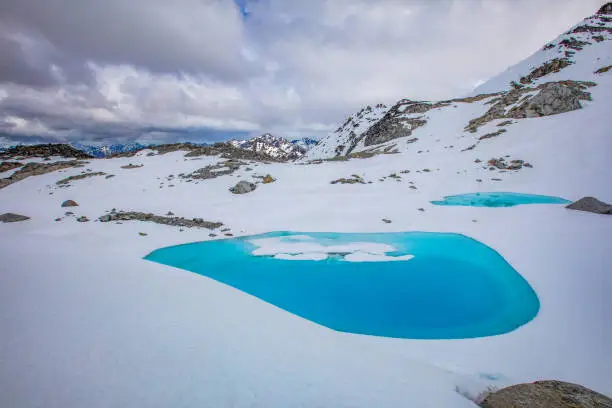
(70, 203)
(268, 179)
(79, 177)
(591, 204)
(132, 166)
(158, 219)
(386, 221)
(545, 394)
(243, 187)
(12, 217)
(82, 219)
(354, 179)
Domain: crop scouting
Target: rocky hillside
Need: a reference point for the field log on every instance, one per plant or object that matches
(273, 146)
(556, 79)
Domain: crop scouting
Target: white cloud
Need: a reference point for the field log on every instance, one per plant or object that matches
(293, 67)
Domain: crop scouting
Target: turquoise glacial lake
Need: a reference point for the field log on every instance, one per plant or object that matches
(499, 199)
(414, 285)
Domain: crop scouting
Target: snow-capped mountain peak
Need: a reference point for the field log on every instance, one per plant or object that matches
(273, 146)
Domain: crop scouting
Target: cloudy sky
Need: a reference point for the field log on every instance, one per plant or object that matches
(161, 70)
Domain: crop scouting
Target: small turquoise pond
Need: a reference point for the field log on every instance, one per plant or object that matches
(499, 199)
(414, 285)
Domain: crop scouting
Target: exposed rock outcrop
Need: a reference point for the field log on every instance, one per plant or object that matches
(67, 180)
(7, 165)
(591, 204)
(159, 219)
(551, 98)
(354, 179)
(605, 9)
(46, 150)
(243, 187)
(36, 169)
(12, 217)
(548, 67)
(546, 394)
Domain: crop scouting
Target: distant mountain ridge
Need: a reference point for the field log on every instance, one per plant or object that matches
(277, 147)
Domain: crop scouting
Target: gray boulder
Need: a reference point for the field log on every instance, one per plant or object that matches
(243, 187)
(546, 394)
(554, 98)
(11, 217)
(591, 204)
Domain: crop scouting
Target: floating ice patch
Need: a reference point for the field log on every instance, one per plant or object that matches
(454, 287)
(304, 247)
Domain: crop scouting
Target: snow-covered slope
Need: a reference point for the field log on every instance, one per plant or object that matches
(85, 321)
(578, 55)
(273, 146)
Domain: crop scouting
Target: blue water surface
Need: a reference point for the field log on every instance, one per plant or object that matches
(454, 287)
(499, 199)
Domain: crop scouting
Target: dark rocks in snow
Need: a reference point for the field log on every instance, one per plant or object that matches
(158, 219)
(555, 98)
(492, 135)
(386, 221)
(243, 187)
(36, 169)
(79, 177)
(545, 394)
(603, 69)
(8, 165)
(46, 150)
(132, 166)
(354, 179)
(82, 219)
(268, 179)
(605, 9)
(591, 204)
(548, 67)
(12, 217)
(70, 203)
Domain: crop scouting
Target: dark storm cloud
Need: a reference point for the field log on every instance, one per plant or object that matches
(159, 35)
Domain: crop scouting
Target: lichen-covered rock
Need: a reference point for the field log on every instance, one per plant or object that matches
(70, 203)
(268, 179)
(546, 394)
(243, 187)
(12, 217)
(591, 204)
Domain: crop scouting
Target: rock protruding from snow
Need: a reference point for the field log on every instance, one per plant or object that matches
(591, 204)
(70, 203)
(544, 394)
(276, 147)
(605, 9)
(46, 150)
(12, 217)
(555, 98)
(159, 219)
(243, 187)
(36, 169)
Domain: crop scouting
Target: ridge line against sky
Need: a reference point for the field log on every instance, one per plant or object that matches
(155, 71)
